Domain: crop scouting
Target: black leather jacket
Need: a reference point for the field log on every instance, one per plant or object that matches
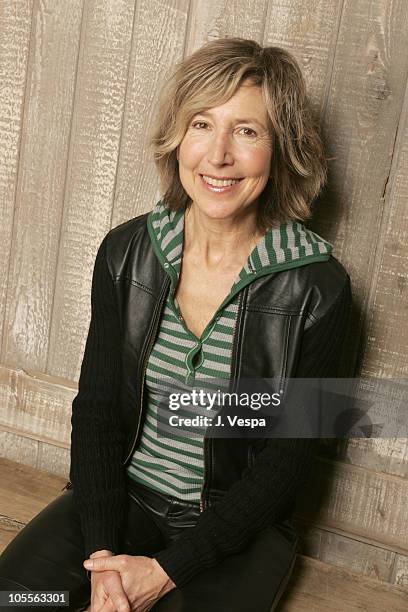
(275, 310)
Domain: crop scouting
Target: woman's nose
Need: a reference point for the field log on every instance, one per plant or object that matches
(220, 149)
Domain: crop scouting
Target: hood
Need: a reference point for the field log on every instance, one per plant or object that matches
(289, 245)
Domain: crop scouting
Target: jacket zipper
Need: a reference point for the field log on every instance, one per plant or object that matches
(207, 441)
(145, 358)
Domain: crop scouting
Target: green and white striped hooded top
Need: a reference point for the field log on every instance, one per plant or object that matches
(165, 461)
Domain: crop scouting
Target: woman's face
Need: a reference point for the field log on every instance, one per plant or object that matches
(230, 141)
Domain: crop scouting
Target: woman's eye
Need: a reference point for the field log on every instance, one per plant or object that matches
(196, 123)
(253, 133)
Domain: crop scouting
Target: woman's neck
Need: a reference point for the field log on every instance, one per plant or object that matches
(218, 242)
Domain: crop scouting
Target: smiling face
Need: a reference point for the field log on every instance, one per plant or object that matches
(224, 143)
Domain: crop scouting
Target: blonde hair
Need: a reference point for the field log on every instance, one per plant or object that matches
(211, 76)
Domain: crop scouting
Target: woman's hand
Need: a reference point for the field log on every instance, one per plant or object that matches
(107, 592)
(143, 579)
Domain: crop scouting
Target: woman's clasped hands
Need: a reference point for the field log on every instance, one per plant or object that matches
(126, 583)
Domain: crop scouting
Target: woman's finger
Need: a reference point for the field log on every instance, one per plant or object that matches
(118, 599)
(102, 564)
(110, 606)
(115, 597)
(99, 596)
(108, 594)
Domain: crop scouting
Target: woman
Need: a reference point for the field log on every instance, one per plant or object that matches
(220, 281)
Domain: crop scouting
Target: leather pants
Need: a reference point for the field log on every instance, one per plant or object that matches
(47, 554)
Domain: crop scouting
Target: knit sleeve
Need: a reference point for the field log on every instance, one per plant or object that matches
(96, 471)
(265, 492)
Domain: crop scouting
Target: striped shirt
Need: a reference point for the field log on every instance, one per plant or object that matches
(168, 460)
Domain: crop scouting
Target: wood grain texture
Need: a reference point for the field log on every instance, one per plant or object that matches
(91, 168)
(219, 18)
(359, 121)
(25, 491)
(18, 448)
(315, 586)
(37, 405)
(386, 339)
(45, 134)
(8, 531)
(389, 455)
(310, 34)
(354, 501)
(401, 571)
(15, 31)
(53, 459)
(157, 45)
(346, 552)
(25, 449)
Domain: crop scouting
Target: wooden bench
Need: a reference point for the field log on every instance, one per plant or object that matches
(314, 586)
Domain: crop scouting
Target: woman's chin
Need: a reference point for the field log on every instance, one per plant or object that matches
(217, 209)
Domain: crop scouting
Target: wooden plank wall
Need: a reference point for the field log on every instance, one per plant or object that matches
(79, 84)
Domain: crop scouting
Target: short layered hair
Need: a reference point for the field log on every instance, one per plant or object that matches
(211, 76)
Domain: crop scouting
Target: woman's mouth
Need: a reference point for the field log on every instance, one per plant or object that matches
(219, 185)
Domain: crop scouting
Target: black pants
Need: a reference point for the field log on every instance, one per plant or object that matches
(47, 554)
